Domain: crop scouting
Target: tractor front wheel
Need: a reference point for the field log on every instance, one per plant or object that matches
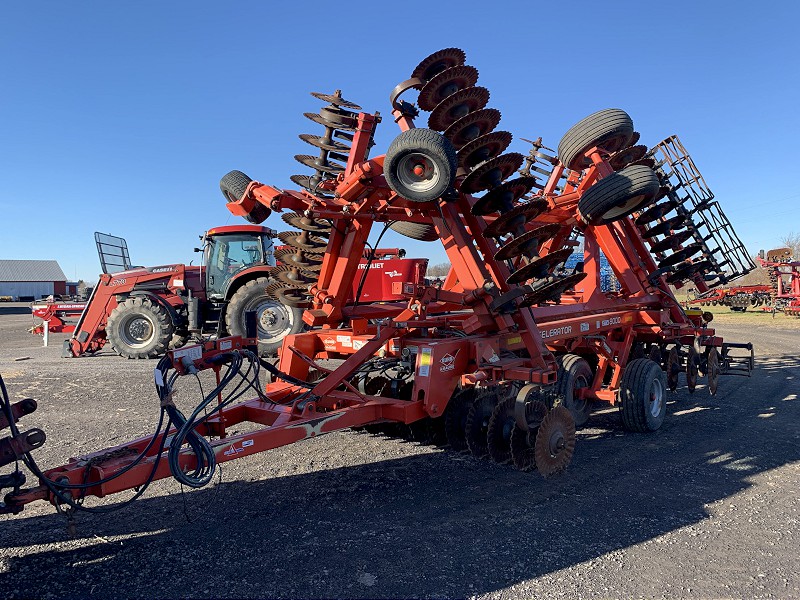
(139, 328)
(274, 320)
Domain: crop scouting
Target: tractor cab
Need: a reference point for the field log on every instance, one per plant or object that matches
(231, 250)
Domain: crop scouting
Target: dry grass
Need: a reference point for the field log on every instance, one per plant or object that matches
(753, 316)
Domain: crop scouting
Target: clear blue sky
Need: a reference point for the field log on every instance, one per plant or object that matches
(121, 117)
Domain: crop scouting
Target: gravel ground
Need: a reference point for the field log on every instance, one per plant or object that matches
(705, 507)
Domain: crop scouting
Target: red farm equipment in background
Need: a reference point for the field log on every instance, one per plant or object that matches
(144, 311)
(512, 352)
(782, 294)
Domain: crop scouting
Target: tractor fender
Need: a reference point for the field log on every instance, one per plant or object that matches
(244, 276)
(173, 314)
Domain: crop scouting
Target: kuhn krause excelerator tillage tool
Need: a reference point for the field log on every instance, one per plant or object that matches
(502, 360)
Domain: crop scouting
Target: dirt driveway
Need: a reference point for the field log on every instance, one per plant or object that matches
(708, 506)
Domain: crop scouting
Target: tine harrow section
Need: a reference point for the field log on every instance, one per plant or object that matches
(720, 254)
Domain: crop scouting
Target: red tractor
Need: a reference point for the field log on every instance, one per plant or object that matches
(143, 312)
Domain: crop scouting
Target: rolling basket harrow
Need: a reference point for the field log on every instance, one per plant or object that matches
(504, 359)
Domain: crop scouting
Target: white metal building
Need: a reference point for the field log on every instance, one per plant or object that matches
(31, 279)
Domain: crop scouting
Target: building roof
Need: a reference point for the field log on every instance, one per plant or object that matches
(31, 270)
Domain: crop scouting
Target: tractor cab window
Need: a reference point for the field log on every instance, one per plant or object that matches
(226, 256)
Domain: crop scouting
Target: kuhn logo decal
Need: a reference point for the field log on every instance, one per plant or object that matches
(448, 362)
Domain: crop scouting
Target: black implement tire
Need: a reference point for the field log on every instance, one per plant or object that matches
(618, 195)
(643, 396)
(233, 186)
(275, 320)
(416, 231)
(612, 129)
(420, 165)
(574, 373)
(139, 328)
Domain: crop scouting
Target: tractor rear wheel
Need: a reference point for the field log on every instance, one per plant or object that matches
(574, 373)
(611, 129)
(643, 396)
(139, 328)
(420, 165)
(618, 195)
(274, 320)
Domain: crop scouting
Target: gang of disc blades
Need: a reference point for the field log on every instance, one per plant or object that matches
(502, 197)
(305, 223)
(540, 266)
(528, 242)
(336, 100)
(656, 211)
(472, 126)
(626, 156)
(552, 290)
(517, 216)
(680, 255)
(671, 242)
(322, 143)
(491, 173)
(483, 148)
(437, 62)
(457, 106)
(445, 84)
(304, 241)
(672, 224)
(313, 162)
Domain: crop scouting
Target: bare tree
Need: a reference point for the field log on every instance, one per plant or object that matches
(439, 270)
(792, 240)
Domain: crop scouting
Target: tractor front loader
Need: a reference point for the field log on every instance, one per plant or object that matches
(511, 353)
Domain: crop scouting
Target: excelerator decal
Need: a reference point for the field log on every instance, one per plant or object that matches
(313, 427)
(556, 331)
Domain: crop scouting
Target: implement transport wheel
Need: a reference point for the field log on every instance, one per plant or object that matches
(274, 320)
(233, 186)
(420, 165)
(618, 195)
(610, 129)
(416, 231)
(139, 328)
(643, 396)
(712, 370)
(574, 373)
(555, 442)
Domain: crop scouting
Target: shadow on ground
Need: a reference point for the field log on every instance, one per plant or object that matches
(432, 525)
